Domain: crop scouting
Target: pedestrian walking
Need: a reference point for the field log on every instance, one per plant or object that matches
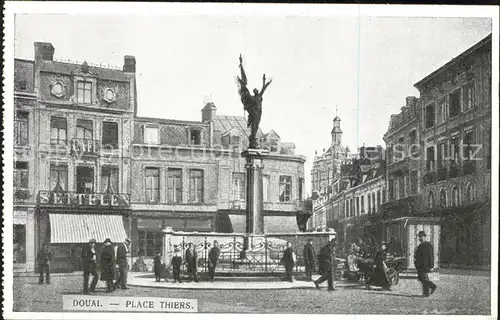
(157, 266)
(424, 263)
(192, 263)
(288, 260)
(89, 261)
(213, 258)
(328, 260)
(309, 259)
(122, 256)
(43, 259)
(107, 262)
(176, 266)
(379, 277)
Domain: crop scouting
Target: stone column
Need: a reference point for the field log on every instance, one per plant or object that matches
(254, 196)
(167, 246)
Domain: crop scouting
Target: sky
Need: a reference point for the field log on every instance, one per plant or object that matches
(363, 67)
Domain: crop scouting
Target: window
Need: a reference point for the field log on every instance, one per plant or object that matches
(301, 189)
(265, 187)
(149, 240)
(369, 204)
(468, 96)
(58, 177)
(443, 110)
(174, 185)
(429, 116)
(378, 200)
(442, 154)
(21, 128)
(430, 161)
(357, 207)
(455, 150)
(413, 142)
(362, 200)
(84, 130)
(152, 185)
(391, 189)
(455, 103)
(351, 205)
(414, 182)
(469, 140)
(110, 134)
(396, 189)
(84, 92)
(430, 200)
(84, 179)
(19, 237)
(470, 193)
(455, 196)
(109, 179)
(442, 198)
(238, 186)
(196, 186)
(21, 175)
(195, 137)
(151, 135)
(58, 130)
(285, 188)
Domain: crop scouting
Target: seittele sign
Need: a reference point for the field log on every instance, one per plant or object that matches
(74, 199)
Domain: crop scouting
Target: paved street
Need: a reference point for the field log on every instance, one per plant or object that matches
(458, 293)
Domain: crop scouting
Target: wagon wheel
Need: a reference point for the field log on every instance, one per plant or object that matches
(393, 276)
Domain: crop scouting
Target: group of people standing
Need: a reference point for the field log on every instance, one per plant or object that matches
(191, 262)
(112, 262)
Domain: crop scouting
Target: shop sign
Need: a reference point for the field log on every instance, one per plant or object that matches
(52, 198)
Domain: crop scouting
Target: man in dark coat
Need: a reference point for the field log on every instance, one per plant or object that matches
(424, 263)
(213, 258)
(192, 263)
(327, 256)
(288, 260)
(157, 266)
(379, 277)
(309, 259)
(107, 263)
(122, 257)
(43, 260)
(89, 261)
(176, 266)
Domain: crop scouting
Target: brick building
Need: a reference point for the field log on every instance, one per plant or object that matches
(456, 131)
(77, 121)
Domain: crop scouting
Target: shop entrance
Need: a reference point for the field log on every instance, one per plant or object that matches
(19, 243)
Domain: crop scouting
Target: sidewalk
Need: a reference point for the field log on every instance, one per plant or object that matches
(143, 279)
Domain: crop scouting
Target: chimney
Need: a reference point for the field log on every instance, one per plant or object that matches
(129, 64)
(44, 51)
(208, 113)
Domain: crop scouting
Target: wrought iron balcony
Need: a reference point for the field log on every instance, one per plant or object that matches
(84, 146)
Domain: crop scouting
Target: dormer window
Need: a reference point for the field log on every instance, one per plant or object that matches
(84, 92)
(109, 95)
(195, 137)
(151, 135)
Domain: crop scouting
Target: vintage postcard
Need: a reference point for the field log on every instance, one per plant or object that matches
(215, 160)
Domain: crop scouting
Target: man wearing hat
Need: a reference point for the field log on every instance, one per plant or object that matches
(107, 263)
(424, 263)
(328, 269)
(89, 259)
(309, 259)
(176, 265)
(122, 256)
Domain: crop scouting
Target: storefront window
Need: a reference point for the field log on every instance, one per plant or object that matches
(19, 253)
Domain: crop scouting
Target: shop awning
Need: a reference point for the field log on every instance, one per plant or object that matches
(80, 228)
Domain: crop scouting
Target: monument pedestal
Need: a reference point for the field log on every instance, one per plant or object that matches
(254, 200)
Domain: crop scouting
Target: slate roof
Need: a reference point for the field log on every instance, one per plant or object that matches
(222, 124)
(69, 68)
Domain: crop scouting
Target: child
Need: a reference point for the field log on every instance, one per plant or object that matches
(176, 266)
(157, 266)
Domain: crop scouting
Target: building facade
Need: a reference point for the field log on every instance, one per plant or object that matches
(456, 132)
(79, 129)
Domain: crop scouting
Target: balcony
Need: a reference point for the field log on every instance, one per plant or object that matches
(402, 207)
(430, 177)
(469, 167)
(442, 174)
(84, 147)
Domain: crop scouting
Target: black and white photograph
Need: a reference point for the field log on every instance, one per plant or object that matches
(249, 159)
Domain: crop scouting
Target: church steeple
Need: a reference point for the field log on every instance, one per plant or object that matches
(336, 131)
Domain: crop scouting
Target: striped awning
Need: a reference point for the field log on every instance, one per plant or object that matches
(80, 228)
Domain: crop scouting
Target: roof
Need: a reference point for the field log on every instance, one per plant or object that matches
(223, 124)
(461, 56)
(69, 68)
(24, 72)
